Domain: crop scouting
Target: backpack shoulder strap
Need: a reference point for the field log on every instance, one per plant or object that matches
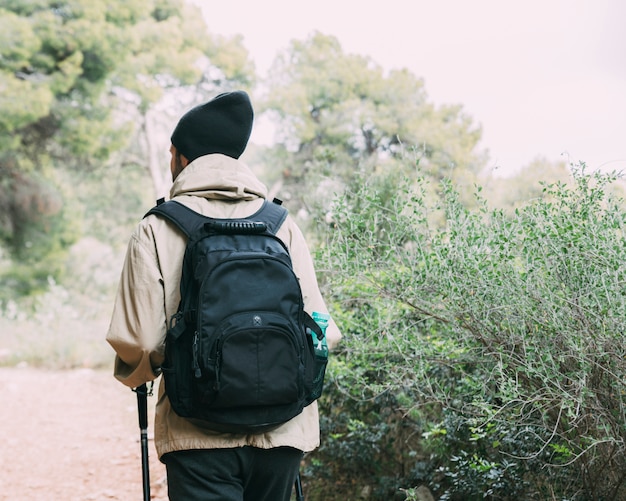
(186, 219)
(273, 214)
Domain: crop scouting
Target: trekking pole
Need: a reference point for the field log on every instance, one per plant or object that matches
(298, 486)
(142, 406)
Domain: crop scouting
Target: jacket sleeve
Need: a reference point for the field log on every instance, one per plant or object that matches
(305, 271)
(138, 324)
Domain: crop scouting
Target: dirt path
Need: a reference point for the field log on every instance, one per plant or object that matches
(71, 436)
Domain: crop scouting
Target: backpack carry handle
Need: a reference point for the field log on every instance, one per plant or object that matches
(240, 227)
(269, 218)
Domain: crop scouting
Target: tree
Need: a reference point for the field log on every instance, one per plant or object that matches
(338, 114)
(174, 67)
(81, 82)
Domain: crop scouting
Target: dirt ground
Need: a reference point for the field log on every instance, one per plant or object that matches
(72, 436)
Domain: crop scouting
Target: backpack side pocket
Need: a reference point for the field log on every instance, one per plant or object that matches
(316, 359)
(178, 379)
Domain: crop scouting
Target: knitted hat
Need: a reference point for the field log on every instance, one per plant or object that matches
(223, 125)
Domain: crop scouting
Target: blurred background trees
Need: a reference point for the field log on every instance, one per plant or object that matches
(88, 88)
(340, 117)
(483, 315)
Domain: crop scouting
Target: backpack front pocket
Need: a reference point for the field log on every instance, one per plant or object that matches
(256, 362)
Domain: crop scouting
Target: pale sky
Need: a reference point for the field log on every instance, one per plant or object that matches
(544, 78)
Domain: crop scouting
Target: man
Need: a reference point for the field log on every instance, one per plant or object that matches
(208, 178)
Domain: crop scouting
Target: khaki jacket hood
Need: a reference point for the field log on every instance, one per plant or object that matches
(218, 177)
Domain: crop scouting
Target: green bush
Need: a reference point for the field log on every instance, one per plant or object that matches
(38, 228)
(496, 339)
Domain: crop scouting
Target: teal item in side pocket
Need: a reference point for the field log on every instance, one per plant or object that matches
(321, 353)
(321, 345)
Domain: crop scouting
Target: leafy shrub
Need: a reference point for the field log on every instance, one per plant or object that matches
(497, 339)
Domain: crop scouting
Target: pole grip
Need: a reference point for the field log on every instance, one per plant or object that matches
(142, 408)
(142, 405)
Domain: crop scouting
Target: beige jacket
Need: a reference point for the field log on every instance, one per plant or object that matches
(148, 295)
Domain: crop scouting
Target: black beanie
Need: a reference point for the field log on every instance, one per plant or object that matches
(222, 125)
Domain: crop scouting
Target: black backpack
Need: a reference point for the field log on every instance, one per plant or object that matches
(240, 353)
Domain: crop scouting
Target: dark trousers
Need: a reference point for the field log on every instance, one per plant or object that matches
(239, 474)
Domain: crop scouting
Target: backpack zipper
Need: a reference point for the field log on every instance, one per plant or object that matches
(194, 364)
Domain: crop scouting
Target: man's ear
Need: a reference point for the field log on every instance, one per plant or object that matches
(183, 160)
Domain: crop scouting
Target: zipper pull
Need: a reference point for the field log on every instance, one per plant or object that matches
(194, 363)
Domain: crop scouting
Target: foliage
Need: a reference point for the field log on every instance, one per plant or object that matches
(43, 228)
(80, 79)
(61, 328)
(499, 337)
(339, 114)
(515, 191)
(63, 63)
